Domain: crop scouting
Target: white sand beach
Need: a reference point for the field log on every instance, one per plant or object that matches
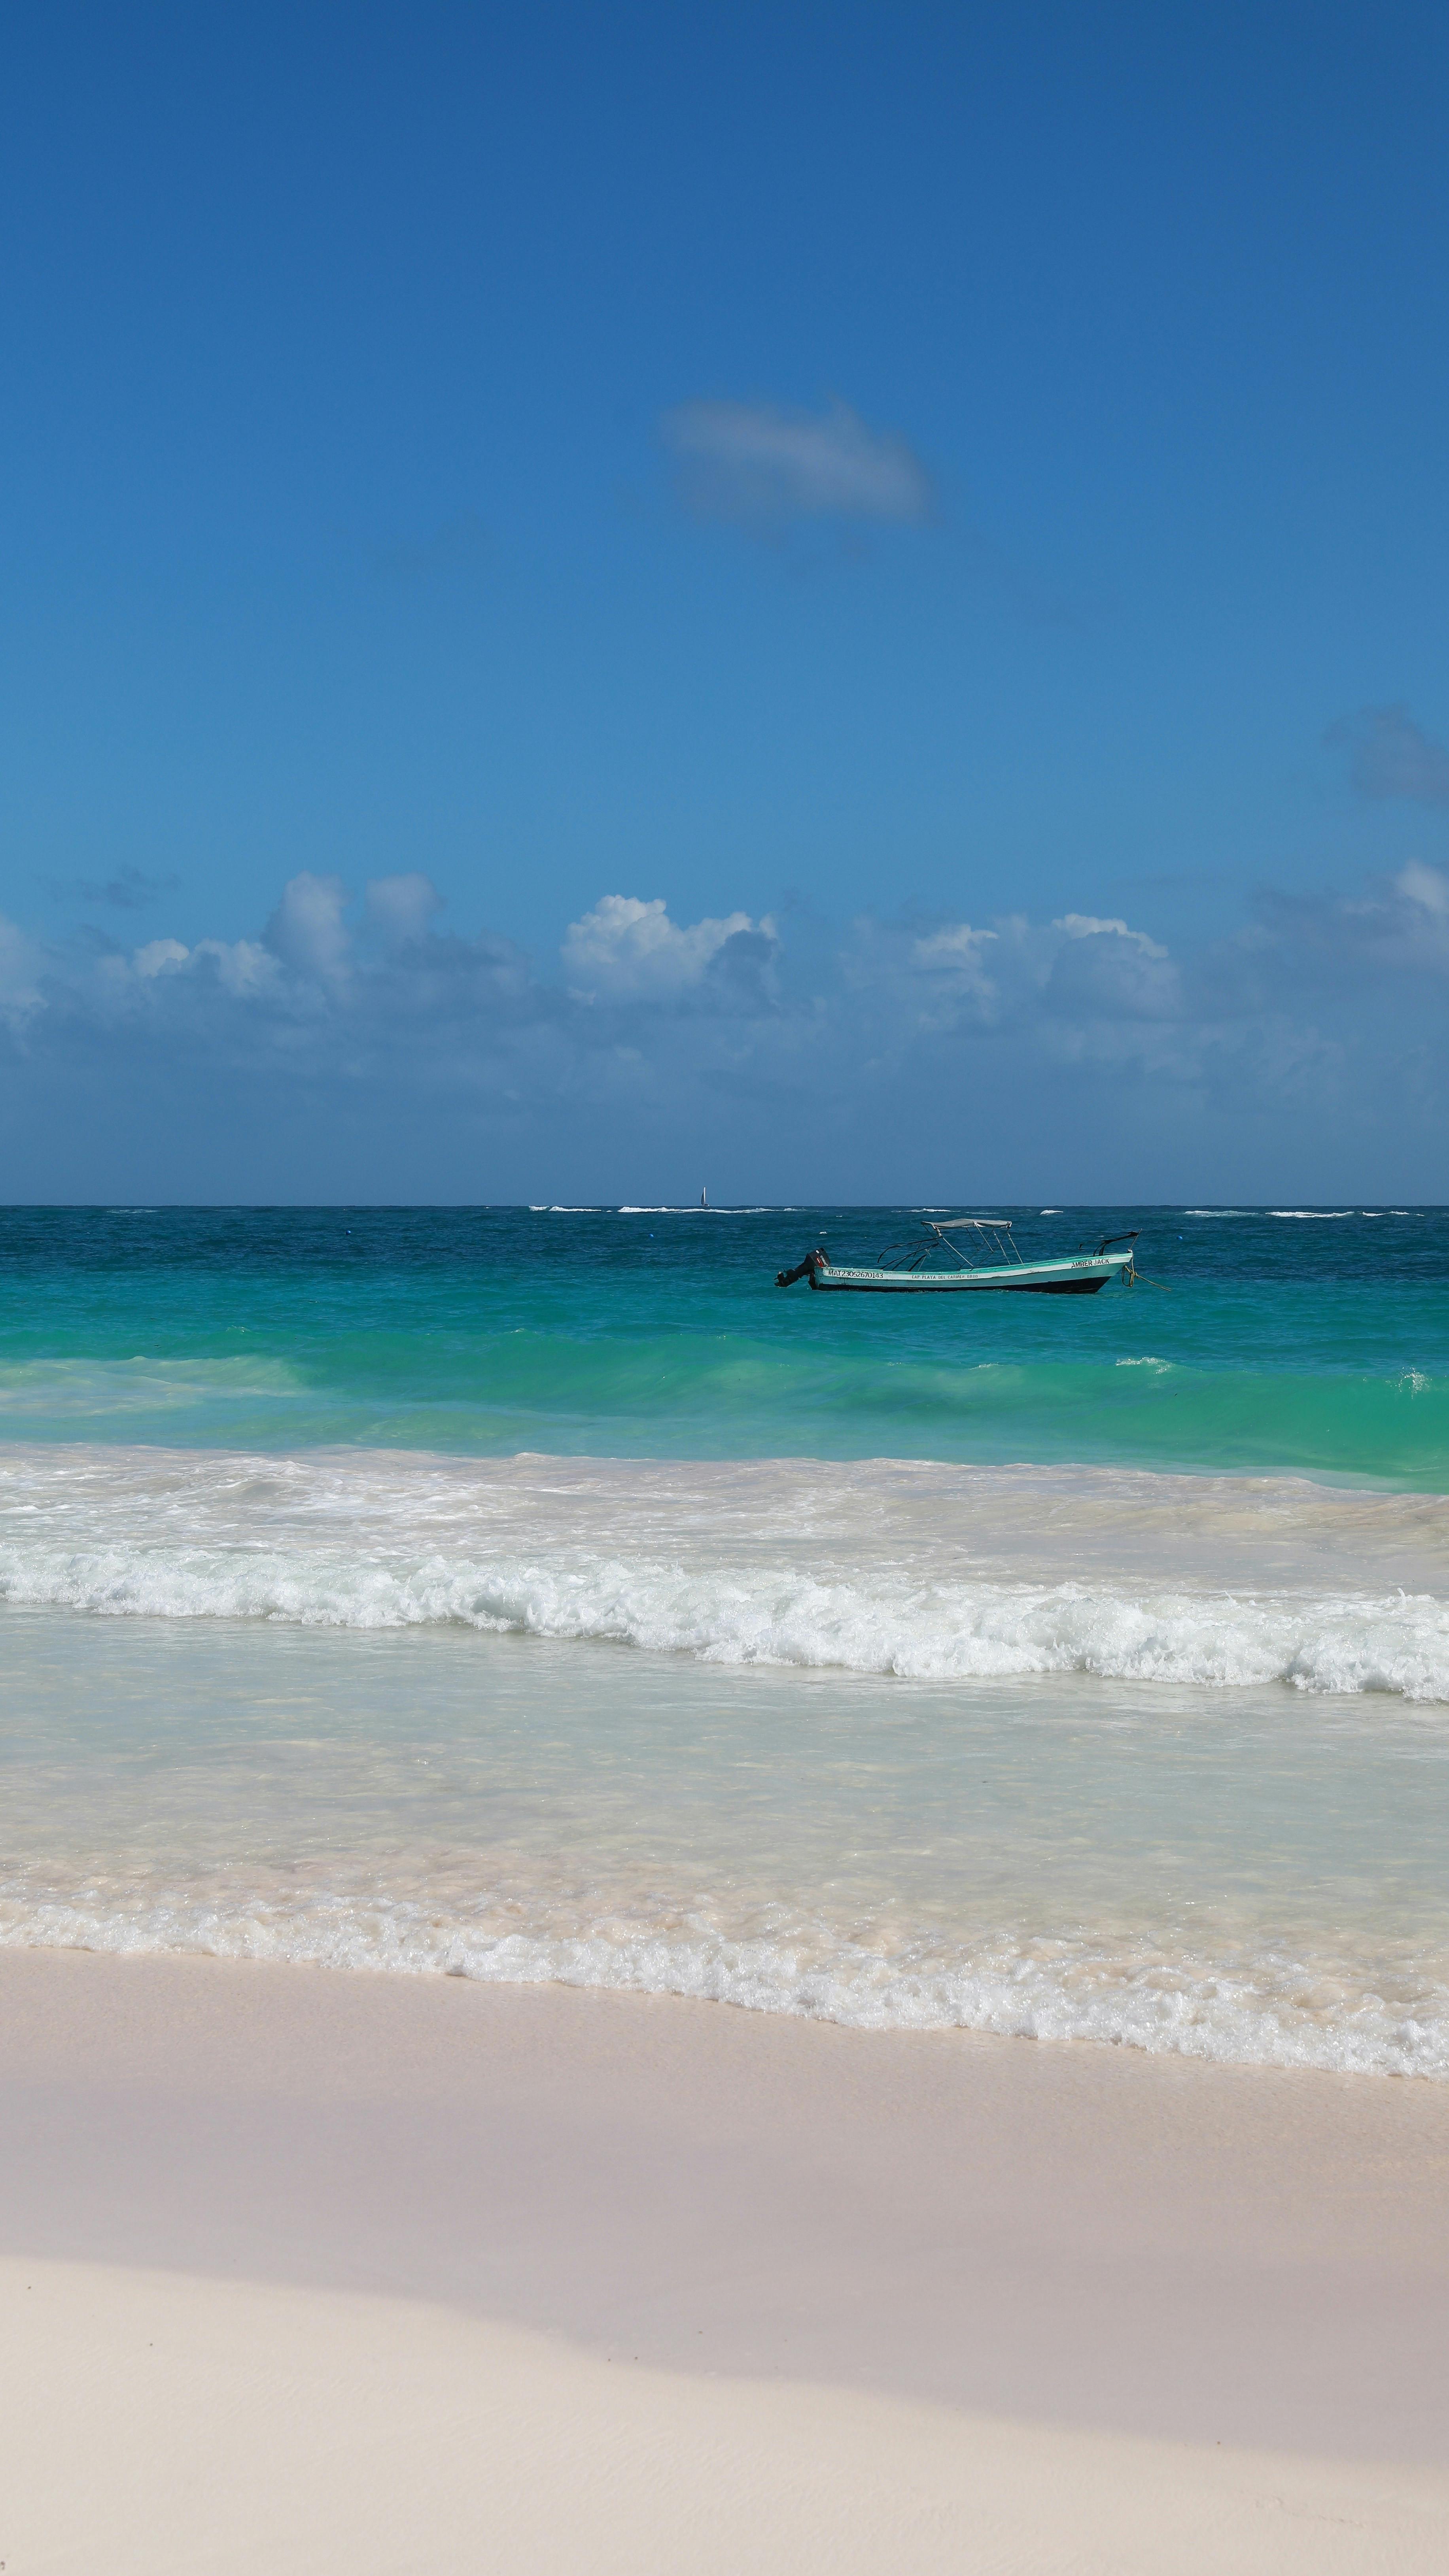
(377, 2273)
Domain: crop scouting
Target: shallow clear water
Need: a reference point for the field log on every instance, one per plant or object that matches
(536, 1594)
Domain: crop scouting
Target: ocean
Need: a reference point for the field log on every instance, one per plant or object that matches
(539, 1593)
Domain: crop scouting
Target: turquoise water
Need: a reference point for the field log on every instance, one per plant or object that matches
(1263, 1343)
(541, 1594)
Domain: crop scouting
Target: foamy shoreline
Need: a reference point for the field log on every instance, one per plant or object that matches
(530, 2278)
(878, 1567)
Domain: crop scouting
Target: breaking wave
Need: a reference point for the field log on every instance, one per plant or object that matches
(978, 1630)
(929, 1573)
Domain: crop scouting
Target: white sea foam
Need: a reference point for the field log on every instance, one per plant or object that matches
(1058, 1822)
(1236, 2007)
(964, 1631)
(925, 1573)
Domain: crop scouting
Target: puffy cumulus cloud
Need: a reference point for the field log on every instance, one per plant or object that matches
(930, 979)
(402, 907)
(1108, 972)
(240, 967)
(307, 930)
(627, 950)
(999, 1036)
(1018, 972)
(160, 957)
(315, 993)
(956, 951)
(761, 465)
(1391, 755)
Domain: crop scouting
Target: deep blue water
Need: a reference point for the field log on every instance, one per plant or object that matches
(1254, 1341)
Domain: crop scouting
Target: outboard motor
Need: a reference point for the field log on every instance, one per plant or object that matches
(802, 1270)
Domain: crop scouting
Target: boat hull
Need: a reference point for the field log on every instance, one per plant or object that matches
(1082, 1278)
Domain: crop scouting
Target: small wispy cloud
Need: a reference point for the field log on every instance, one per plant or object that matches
(1390, 755)
(1086, 925)
(129, 890)
(763, 466)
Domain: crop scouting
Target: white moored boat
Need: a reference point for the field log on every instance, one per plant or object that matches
(936, 1262)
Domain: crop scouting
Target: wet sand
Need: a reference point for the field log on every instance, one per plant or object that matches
(384, 2272)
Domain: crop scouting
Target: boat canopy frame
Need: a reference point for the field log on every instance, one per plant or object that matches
(995, 1231)
(910, 1252)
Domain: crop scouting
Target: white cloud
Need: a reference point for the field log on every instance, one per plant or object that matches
(755, 462)
(1097, 980)
(1085, 925)
(1329, 1012)
(243, 967)
(1074, 986)
(625, 950)
(307, 930)
(402, 907)
(160, 957)
(954, 950)
(1425, 887)
(952, 968)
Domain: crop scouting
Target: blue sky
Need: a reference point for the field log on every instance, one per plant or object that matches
(887, 568)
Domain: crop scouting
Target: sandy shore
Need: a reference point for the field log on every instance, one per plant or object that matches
(376, 2274)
